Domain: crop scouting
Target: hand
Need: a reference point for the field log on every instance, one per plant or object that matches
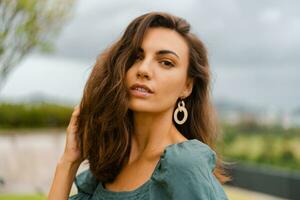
(72, 152)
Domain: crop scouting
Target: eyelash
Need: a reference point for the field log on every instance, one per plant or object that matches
(167, 62)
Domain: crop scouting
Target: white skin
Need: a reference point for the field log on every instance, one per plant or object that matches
(153, 126)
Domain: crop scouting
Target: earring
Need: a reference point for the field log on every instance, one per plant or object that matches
(181, 108)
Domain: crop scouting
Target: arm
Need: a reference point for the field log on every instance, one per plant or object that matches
(64, 175)
(68, 164)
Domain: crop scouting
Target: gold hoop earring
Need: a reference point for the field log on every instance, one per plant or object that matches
(180, 108)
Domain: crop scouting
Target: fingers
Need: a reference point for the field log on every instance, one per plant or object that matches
(73, 120)
(76, 110)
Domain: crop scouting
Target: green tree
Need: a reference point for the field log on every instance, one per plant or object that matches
(26, 25)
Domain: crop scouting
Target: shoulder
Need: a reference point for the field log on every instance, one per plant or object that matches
(186, 169)
(86, 182)
(190, 154)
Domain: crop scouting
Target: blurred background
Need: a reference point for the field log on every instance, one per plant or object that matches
(48, 48)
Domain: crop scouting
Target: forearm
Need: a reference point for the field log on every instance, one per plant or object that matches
(63, 179)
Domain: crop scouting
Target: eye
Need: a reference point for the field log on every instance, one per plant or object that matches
(138, 57)
(167, 63)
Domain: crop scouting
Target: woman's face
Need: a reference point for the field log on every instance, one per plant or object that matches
(161, 65)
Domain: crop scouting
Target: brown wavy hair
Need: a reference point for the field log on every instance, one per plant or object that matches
(105, 123)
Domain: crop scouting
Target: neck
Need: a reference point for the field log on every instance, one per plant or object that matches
(152, 132)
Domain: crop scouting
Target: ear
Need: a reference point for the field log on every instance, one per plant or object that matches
(188, 88)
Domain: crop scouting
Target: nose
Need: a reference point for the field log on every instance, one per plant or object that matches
(144, 69)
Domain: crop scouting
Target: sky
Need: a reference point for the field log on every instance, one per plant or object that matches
(253, 47)
(235, 32)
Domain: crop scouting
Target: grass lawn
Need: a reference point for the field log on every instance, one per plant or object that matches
(22, 197)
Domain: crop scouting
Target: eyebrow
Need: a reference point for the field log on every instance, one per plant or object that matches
(162, 52)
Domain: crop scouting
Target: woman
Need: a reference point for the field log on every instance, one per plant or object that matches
(145, 123)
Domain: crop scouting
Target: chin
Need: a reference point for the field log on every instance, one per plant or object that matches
(140, 106)
(140, 109)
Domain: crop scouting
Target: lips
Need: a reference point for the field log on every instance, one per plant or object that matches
(137, 85)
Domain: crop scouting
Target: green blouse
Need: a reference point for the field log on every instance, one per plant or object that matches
(183, 172)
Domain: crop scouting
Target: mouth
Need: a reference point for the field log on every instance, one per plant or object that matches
(139, 90)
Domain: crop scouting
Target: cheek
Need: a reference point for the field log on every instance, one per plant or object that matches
(169, 91)
(128, 77)
(171, 86)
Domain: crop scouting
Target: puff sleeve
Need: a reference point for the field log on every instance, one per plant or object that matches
(86, 185)
(187, 174)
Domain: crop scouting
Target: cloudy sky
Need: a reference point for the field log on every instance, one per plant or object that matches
(254, 48)
(235, 32)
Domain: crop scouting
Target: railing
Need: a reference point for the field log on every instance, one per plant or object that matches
(280, 183)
